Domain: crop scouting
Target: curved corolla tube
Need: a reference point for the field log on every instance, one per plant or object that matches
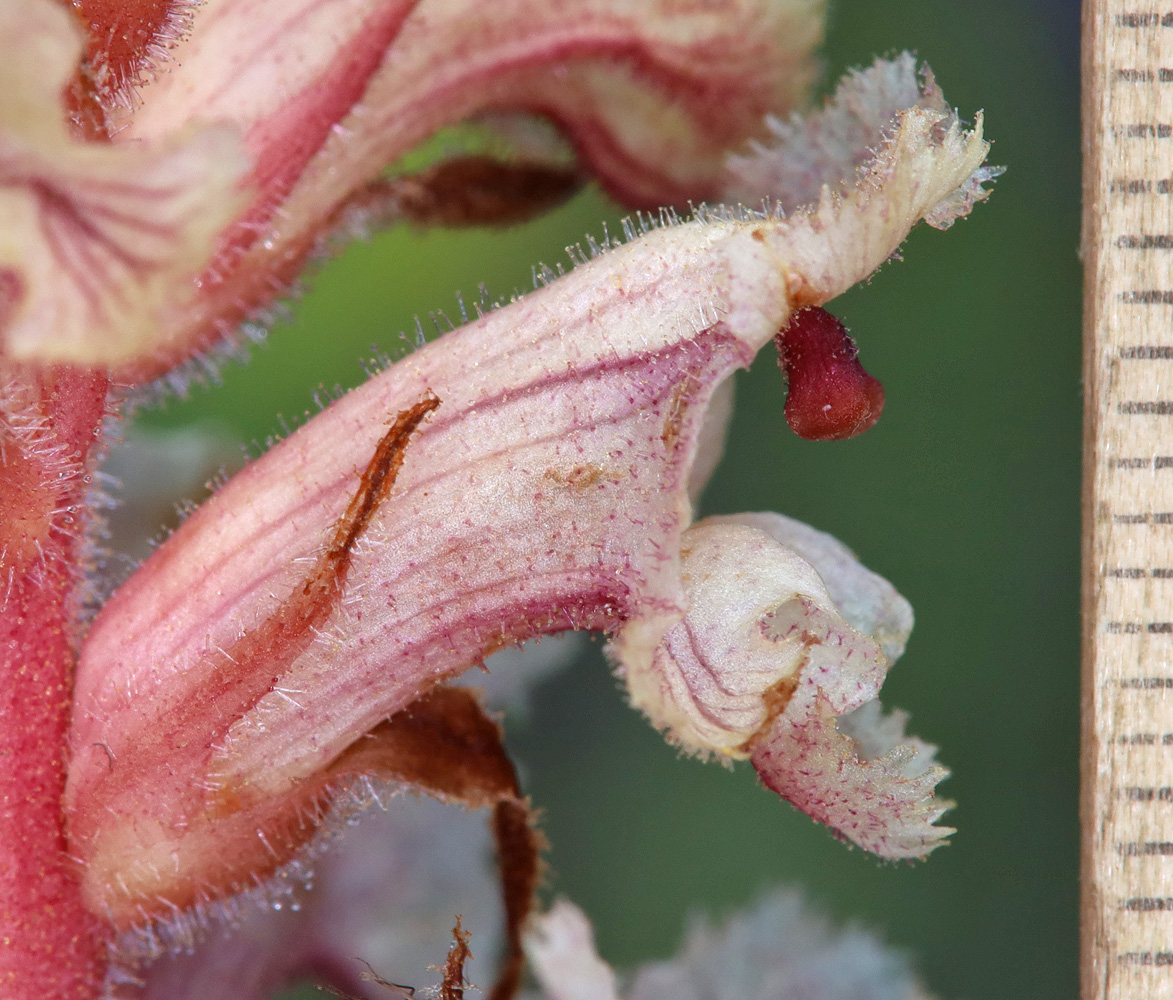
(526, 474)
(243, 132)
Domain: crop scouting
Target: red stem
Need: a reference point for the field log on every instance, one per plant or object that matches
(52, 946)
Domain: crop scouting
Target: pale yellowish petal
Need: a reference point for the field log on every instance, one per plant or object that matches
(98, 240)
(870, 603)
(759, 620)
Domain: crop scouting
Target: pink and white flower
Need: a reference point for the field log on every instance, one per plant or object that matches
(165, 176)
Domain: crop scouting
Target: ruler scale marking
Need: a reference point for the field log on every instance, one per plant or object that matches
(1127, 759)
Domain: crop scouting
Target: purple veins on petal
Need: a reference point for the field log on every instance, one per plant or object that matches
(549, 491)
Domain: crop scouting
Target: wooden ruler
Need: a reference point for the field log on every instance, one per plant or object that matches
(1127, 759)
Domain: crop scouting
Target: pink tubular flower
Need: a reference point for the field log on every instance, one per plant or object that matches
(298, 107)
(526, 474)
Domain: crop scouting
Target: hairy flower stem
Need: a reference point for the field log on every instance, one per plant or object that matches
(52, 945)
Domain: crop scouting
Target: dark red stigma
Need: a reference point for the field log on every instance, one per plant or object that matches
(831, 397)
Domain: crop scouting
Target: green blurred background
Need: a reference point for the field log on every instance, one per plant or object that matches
(965, 496)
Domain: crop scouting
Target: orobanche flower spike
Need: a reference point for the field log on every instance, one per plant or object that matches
(167, 169)
(525, 474)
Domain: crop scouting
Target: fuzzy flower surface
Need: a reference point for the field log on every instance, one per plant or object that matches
(166, 170)
(530, 474)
